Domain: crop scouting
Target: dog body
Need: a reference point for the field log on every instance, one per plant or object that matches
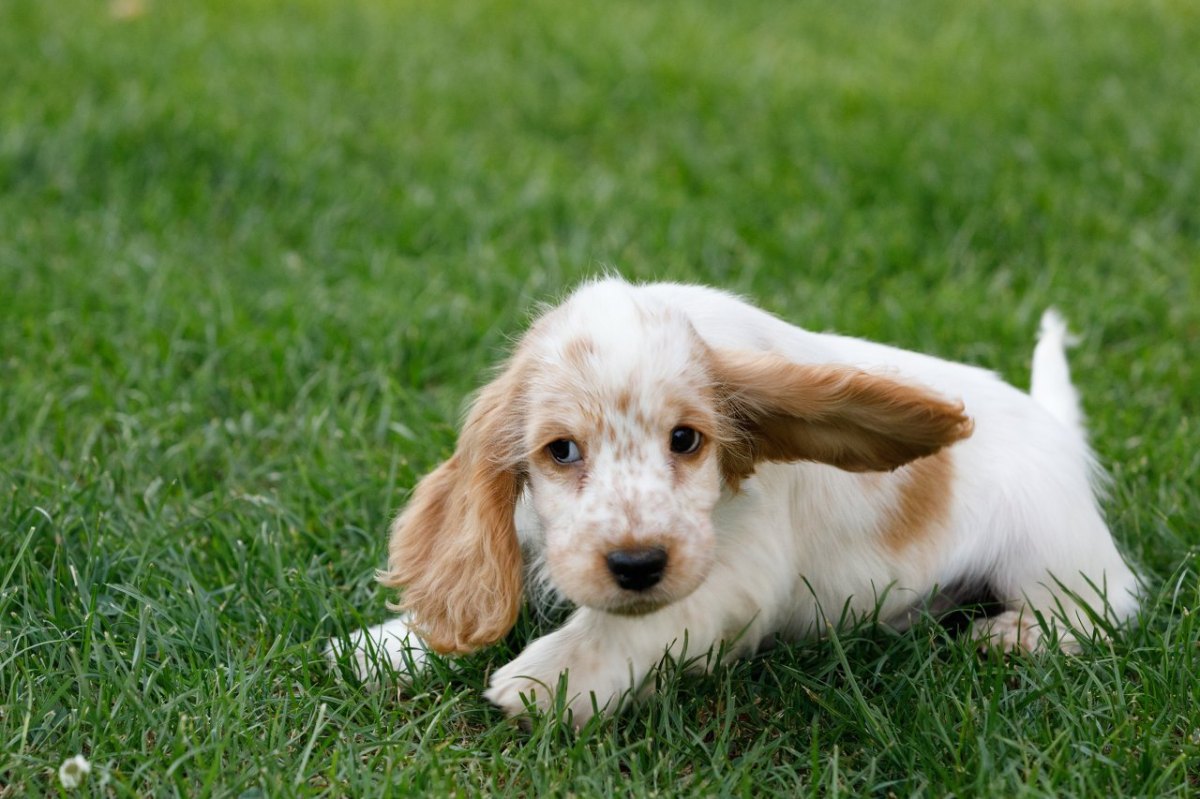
(691, 471)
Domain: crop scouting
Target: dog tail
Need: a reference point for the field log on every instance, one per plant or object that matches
(1050, 384)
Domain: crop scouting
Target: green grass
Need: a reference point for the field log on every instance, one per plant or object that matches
(253, 257)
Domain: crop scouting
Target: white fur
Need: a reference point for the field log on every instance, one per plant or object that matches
(797, 542)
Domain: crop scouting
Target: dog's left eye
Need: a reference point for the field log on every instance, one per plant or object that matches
(684, 440)
(564, 451)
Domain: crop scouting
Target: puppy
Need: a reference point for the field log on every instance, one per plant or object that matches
(690, 471)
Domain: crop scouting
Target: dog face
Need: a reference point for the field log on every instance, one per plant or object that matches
(626, 426)
(623, 434)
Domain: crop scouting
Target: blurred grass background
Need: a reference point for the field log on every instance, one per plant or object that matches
(253, 256)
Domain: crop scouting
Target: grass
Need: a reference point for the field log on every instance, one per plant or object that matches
(252, 258)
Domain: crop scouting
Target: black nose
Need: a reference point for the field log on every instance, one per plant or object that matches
(637, 569)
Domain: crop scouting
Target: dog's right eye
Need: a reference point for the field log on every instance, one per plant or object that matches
(564, 451)
(685, 440)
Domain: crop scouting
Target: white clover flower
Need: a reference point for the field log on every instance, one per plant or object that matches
(73, 771)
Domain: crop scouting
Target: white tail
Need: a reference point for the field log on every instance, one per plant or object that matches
(1050, 385)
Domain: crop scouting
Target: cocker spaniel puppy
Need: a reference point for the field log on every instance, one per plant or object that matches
(689, 470)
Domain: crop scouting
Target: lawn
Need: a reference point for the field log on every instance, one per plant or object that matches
(254, 256)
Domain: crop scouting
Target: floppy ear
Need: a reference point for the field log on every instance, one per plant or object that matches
(831, 413)
(454, 549)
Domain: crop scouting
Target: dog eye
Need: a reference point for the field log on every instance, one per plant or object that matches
(684, 440)
(564, 451)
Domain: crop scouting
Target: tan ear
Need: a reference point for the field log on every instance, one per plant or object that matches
(454, 549)
(783, 411)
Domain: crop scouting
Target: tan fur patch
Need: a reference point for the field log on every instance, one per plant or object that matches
(778, 410)
(923, 503)
(629, 541)
(578, 350)
(454, 549)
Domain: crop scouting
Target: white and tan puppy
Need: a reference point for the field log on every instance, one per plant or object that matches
(684, 467)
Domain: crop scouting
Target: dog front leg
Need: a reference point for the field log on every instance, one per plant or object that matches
(379, 651)
(599, 662)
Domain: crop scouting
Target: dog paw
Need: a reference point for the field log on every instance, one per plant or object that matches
(571, 689)
(1018, 631)
(377, 654)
